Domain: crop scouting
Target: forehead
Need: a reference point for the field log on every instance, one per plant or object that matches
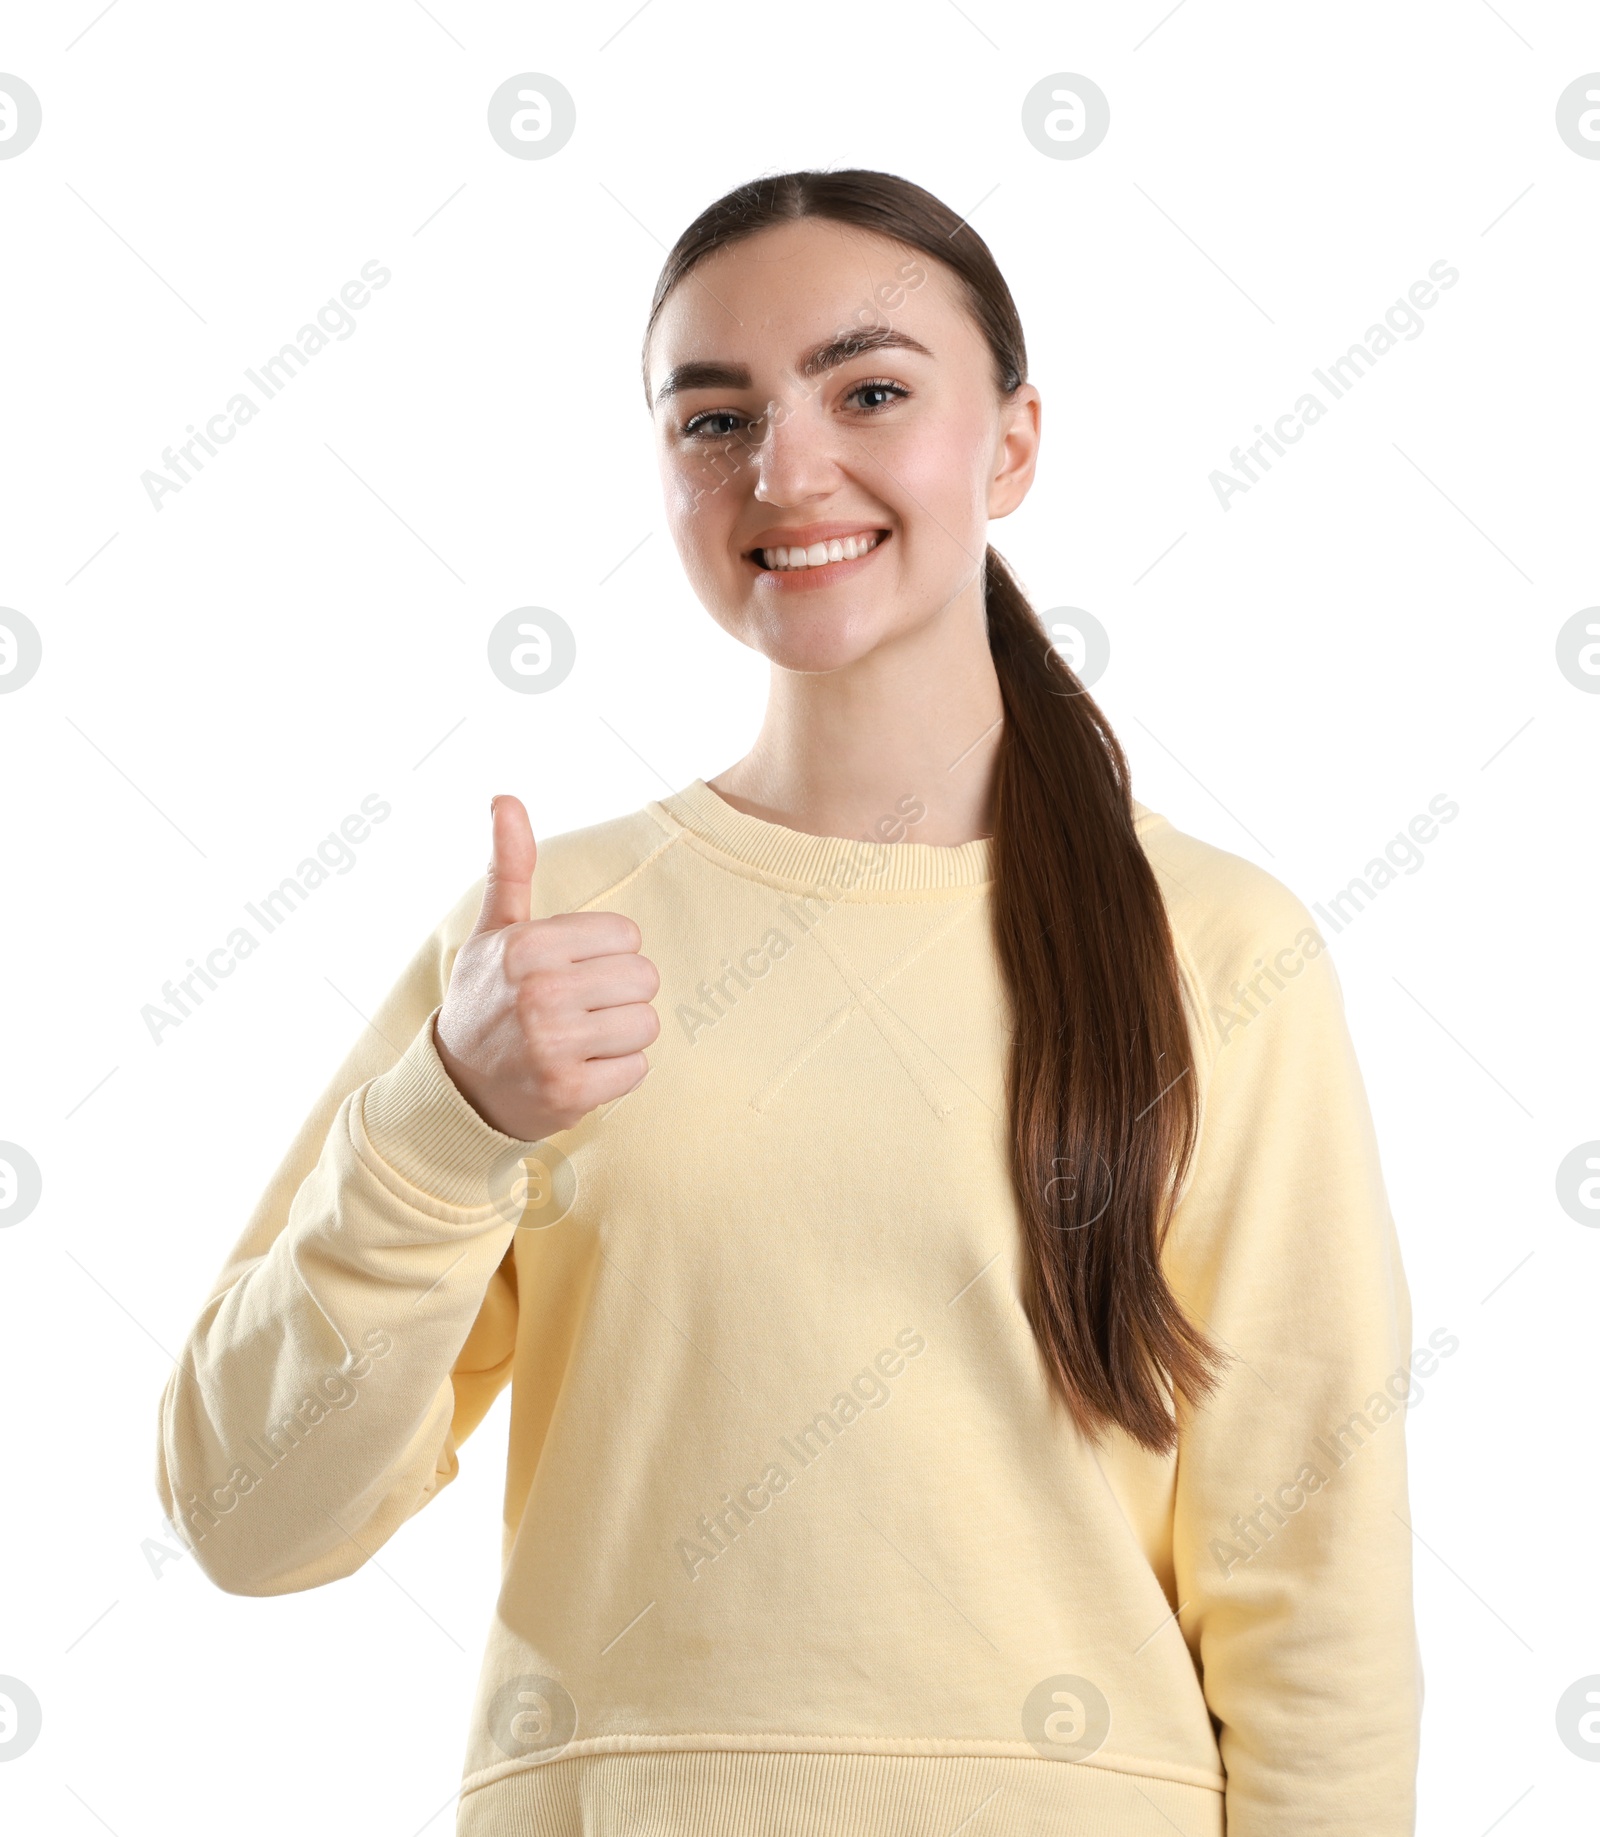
(771, 296)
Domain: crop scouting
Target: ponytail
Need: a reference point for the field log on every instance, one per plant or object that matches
(1100, 1082)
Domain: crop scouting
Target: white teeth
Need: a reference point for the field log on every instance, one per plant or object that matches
(819, 553)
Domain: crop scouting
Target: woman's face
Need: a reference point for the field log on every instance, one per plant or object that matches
(816, 384)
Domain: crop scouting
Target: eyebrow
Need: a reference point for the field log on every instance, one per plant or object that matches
(713, 374)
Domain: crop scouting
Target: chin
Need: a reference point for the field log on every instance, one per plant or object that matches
(812, 640)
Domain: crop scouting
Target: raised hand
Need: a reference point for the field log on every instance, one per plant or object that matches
(544, 1019)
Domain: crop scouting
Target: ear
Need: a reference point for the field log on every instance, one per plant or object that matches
(1016, 451)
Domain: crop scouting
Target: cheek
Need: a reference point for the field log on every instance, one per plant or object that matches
(936, 479)
(700, 521)
(700, 491)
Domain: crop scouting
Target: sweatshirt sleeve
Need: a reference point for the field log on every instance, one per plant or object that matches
(1292, 1545)
(362, 1324)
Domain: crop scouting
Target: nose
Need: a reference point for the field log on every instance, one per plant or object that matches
(794, 461)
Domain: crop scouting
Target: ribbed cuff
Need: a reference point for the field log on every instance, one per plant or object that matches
(419, 1123)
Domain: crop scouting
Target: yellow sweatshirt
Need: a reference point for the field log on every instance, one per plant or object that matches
(796, 1540)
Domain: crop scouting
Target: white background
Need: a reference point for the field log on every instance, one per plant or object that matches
(1374, 623)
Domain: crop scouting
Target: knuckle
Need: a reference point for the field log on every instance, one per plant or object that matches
(538, 992)
(548, 1054)
(617, 930)
(520, 951)
(563, 1091)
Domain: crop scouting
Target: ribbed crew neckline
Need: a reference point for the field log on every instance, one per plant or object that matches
(854, 867)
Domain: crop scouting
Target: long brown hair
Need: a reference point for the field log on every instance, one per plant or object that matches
(1100, 1078)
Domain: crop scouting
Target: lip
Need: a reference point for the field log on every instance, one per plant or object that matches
(802, 535)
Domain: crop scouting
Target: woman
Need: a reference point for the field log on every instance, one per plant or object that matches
(957, 1387)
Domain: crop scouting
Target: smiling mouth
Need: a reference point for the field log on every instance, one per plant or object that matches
(819, 554)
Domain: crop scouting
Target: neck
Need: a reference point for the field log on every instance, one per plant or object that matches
(857, 751)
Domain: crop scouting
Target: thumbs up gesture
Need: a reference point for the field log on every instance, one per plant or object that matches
(544, 1019)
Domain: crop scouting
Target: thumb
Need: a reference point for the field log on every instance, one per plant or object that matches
(508, 889)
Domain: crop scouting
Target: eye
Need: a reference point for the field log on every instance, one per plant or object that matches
(877, 386)
(698, 427)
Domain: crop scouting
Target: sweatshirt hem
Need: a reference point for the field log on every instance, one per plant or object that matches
(817, 1793)
(880, 1746)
